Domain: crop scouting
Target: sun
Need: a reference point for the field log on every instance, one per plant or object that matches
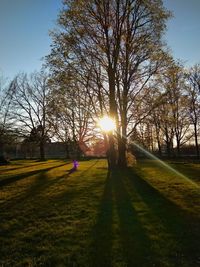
(107, 124)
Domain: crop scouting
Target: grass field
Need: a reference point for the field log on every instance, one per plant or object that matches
(142, 217)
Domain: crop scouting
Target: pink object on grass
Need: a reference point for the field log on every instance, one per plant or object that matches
(75, 164)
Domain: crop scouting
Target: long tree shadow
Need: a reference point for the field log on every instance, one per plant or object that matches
(90, 167)
(41, 183)
(15, 178)
(33, 202)
(136, 245)
(10, 168)
(180, 224)
(63, 209)
(100, 254)
(68, 174)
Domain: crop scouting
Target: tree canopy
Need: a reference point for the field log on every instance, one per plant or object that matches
(115, 47)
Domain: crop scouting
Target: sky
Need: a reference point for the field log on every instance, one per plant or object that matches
(183, 30)
(24, 33)
(25, 26)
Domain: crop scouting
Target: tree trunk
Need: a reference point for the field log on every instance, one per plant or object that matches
(168, 143)
(196, 140)
(178, 146)
(3, 159)
(158, 140)
(42, 151)
(159, 148)
(112, 153)
(1, 149)
(67, 149)
(122, 161)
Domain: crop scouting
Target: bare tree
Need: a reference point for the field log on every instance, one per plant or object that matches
(70, 112)
(29, 103)
(193, 94)
(174, 84)
(7, 134)
(124, 39)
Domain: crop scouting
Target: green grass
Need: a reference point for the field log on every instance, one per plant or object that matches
(141, 217)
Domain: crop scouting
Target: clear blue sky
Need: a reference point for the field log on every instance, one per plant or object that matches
(183, 33)
(24, 27)
(24, 33)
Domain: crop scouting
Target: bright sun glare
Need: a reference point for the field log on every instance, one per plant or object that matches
(107, 124)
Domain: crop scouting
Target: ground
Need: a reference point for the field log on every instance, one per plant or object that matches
(142, 217)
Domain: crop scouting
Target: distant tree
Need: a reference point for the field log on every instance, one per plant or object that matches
(7, 133)
(193, 95)
(155, 117)
(178, 104)
(169, 109)
(29, 107)
(69, 110)
(36, 134)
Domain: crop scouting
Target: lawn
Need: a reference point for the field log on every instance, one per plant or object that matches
(142, 217)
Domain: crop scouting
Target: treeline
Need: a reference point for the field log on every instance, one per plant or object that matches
(173, 122)
(107, 58)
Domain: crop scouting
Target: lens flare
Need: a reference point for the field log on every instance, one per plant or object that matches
(163, 164)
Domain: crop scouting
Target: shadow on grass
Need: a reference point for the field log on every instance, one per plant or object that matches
(102, 231)
(21, 167)
(78, 188)
(153, 231)
(79, 185)
(50, 222)
(41, 183)
(91, 166)
(178, 223)
(133, 244)
(67, 212)
(15, 178)
(136, 245)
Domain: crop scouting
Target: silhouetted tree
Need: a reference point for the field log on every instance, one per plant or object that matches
(123, 38)
(29, 107)
(7, 133)
(193, 94)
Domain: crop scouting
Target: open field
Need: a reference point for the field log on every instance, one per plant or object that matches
(141, 217)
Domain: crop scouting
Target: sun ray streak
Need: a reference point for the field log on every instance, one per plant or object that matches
(109, 121)
(165, 165)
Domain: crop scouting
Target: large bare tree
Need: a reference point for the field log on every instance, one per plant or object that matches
(123, 38)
